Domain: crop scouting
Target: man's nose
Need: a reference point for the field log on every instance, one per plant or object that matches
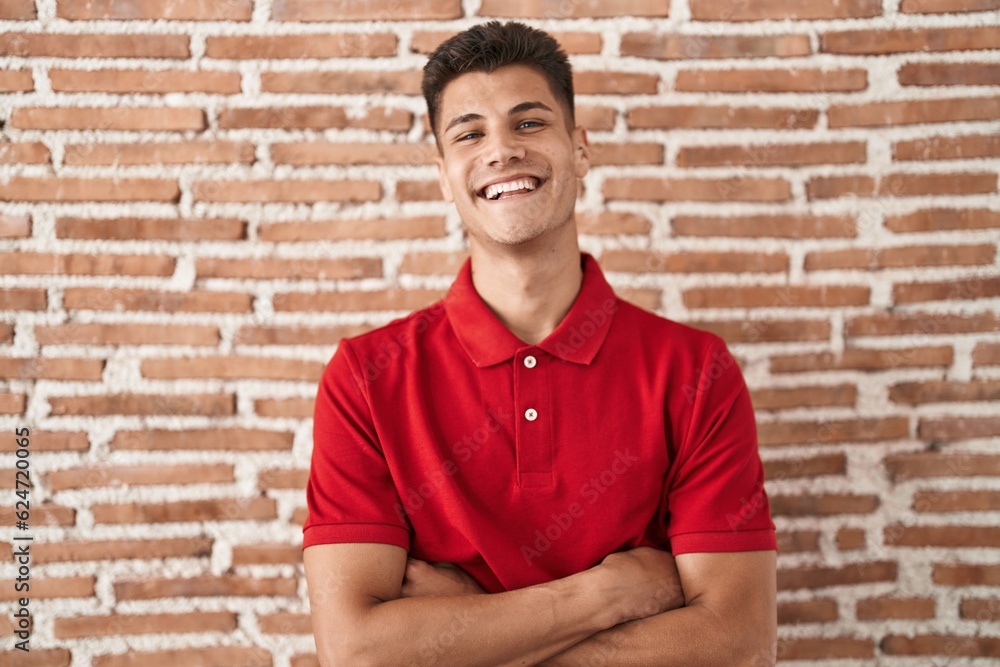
(502, 148)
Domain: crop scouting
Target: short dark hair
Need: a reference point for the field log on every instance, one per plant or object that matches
(489, 46)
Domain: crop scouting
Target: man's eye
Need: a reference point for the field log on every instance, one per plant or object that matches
(466, 136)
(529, 122)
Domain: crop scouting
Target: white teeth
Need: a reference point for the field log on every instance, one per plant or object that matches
(497, 189)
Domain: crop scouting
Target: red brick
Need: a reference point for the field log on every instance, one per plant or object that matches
(147, 82)
(175, 10)
(902, 467)
(949, 74)
(16, 80)
(204, 586)
(818, 576)
(596, 118)
(986, 354)
(697, 189)
(343, 82)
(24, 152)
(299, 191)
(286, 623)
(339, 230)
(922, 185)
(604, 154)
(299, 46)
(851, 539)
(830, 187)
(215, 656)
(947, 148)
(289, 408)
(93, 45)
(958, 428)
(418, 191)
(161, 119)
(168, 229)
(762, 10)
(915, 393)
(70, 189)
(688, 47)
(53, 587)
(772, 155)
(645, 261)
(209, 405)
(6, 334)
(19, 10)
(23, 298)
(862, 42)
(864, 359)
(216, 439)
(321, 153)
(371, 10)
(941, 536)
(815, 466)
(313, 118)
(946, 645)
(832, 431)
(807, 611)
(948, 574)
(946, 6)
(972, 287)
(14, 226)
(798, 541)
(51, 368)
(225, 509)
(914, 112)
(52, 441)
(766, 330)
(30, 263)
(900, 256)
(980, 609)
(823, 505)
(776, 226)
(886, 324)
(12, 404)
(94, 550)
(232, 368)
(105, 625)
(877, 609)
(139, 475)
(956, 501)
(783, 398)
(796, 80)
(575, 9)
(615, 83)
(357, 300)
(433, 263)
(174, 152)
(941, 219)
(299, 335)
(572, 42)
(612, 222)
(88, 298)
(266, 554)
(712, 117)
(282, 478)
(45, 657)
(78, 333)
(778, 296)
(299, 516)
(825, 648)
(300, 268)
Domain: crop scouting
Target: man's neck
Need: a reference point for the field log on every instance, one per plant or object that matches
(529, 291)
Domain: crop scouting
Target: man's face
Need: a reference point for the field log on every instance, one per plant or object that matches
(508, 159)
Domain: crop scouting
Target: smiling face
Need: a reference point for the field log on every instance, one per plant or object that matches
(508, 159)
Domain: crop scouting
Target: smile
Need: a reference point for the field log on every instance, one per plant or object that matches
(517, 187)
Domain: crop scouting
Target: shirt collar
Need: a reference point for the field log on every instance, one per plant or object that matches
(577, 338)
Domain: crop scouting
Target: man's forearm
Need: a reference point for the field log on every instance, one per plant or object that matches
(519, 627)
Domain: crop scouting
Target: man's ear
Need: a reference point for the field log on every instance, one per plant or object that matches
(581, 151)
(442, 179)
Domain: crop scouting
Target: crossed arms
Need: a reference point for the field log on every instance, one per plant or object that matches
(371, 606)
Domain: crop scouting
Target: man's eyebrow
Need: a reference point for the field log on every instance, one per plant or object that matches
(518, 108)
(464, 118)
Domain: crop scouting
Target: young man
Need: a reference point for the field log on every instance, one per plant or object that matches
(575, 479)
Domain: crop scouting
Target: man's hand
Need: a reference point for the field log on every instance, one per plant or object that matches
(648, 578)
(423, 578)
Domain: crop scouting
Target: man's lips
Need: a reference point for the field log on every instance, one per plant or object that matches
(521, 183)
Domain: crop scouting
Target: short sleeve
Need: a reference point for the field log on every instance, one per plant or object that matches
(715, 496)
(350, 494)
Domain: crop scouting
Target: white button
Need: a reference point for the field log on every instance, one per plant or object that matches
(530, 414)
(530, 361)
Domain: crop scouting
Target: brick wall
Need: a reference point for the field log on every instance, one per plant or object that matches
(198, 199)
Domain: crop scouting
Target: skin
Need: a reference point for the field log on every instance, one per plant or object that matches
(372, 605)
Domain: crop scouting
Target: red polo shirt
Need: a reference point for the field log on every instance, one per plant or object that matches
(443, 433)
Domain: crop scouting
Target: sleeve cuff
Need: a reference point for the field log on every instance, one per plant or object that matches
(742, 540)
(333, 533)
